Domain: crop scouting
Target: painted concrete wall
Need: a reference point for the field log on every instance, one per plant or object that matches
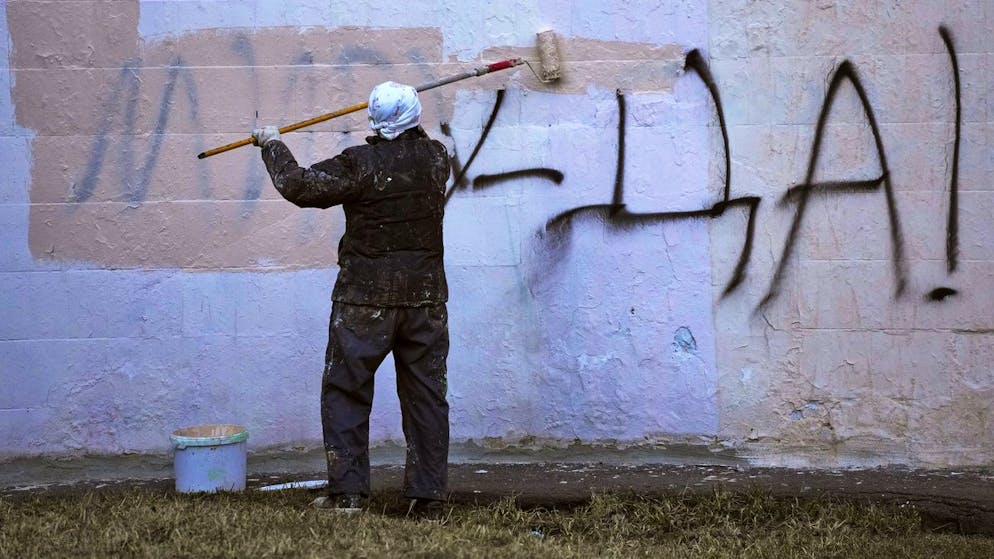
(611, 282)
(863, 355)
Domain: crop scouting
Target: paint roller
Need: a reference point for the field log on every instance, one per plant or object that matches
(549, 71)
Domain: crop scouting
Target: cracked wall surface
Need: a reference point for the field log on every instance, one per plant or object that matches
(760, 227)
(863, 357)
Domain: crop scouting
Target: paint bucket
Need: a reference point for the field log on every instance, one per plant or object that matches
(210, 458)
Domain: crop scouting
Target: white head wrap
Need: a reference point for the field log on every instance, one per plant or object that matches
(393, 108)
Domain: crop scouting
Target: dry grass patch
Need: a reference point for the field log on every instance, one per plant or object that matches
(146, 523)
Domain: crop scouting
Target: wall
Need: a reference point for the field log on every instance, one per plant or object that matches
(752, 226)
(870, 268)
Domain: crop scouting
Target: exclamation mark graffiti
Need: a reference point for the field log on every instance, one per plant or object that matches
(952, 223)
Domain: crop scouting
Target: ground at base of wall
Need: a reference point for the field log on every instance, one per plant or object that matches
(948, 501)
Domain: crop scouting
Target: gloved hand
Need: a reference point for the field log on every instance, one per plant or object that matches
(264, 135)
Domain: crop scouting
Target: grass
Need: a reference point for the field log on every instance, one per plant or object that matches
(159, 523)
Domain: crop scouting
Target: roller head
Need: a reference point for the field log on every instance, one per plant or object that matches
(548, 56)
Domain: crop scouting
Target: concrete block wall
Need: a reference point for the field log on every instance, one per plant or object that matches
(858, 359)
(145, 290)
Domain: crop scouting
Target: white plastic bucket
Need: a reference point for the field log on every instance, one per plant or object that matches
(210, 458)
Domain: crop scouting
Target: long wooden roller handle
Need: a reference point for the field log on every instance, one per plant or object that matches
(285, 129)
(503, 64)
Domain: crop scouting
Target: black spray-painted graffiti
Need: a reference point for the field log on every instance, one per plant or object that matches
(952, 223)
(803, 191)
(483, 181)
(615, 213)
(136, 178)
(135, 182)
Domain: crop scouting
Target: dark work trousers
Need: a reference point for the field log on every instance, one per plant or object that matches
(359, 338)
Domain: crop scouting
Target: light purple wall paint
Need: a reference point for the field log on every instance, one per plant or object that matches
(607, 333)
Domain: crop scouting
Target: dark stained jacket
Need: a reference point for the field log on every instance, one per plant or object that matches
(393, 194)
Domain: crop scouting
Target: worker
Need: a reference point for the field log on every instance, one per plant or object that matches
(390, 294)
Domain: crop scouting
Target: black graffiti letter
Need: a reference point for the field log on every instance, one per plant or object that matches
(952, 225)
(697, 63)
(460, 180)
(846, 71)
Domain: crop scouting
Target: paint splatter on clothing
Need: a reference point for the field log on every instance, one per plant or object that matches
(359, 339)
(393, 194)
(389, 298)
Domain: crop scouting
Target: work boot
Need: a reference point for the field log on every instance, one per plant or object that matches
(426, 509)
(348, 503)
